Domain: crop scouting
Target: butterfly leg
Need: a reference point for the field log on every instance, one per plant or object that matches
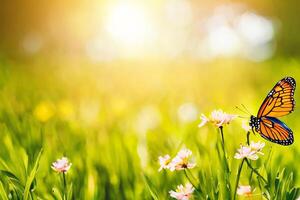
(253, 131)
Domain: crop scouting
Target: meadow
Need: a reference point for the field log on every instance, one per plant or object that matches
(113, 121)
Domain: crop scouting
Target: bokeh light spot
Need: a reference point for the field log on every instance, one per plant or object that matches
(128, 24)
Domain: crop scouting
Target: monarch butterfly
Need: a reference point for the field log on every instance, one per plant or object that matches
(279, 102)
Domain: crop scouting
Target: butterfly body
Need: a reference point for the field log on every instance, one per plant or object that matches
(254, 123)
(279, 102)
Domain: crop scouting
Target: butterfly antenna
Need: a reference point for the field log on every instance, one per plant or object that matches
(241, 110)
(243, 117)
(246, 109)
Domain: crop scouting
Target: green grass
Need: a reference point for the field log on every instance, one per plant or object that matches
(113, 121)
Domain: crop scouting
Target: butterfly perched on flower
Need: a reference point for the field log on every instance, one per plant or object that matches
(279, 102)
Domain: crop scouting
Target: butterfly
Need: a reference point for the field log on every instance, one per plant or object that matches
(279, 102)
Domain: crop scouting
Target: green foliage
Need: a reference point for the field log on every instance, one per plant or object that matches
(113, 123)
(282, 186)
(30, 183)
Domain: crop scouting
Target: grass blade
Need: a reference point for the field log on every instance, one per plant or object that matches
(31, 176)
(3, 194)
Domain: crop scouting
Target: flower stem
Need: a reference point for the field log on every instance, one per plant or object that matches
(185, 172)
(238, 178)
(227, 170)
(191, 174)
(223, 148)
(65, 186)
(248, 137)
(256, 172)
(222, 137)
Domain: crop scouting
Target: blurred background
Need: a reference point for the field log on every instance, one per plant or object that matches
(102, 31)
(115, 84)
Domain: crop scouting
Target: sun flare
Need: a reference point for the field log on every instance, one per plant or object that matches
(128, 24)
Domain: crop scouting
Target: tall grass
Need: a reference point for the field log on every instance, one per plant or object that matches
(113, 123)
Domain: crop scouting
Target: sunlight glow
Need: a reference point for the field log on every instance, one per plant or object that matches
(100, 49)
(179, 13)
(255, 29)
(233, 31)
(133, 30)
(224, 41)
(128, 24)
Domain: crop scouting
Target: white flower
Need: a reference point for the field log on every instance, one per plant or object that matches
(217, 118)
(164, 162)
(61, 165)
(246, 152)
(245, 125)
(258, 146)
(251, 151)
(182, 193)
(244, 190)
(181, 160)
(204, 120)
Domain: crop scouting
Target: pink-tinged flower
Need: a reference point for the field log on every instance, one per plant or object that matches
(217, 118)
(257, 146)
(245, 125)
(182, 193)
(164, 162)
(246, 152)
(244, 190)
(204, 120)
(61, 165)
(182, 160)
(251, 152)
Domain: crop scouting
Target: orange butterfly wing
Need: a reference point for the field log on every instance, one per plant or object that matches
(276, 131)
(280, 100)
